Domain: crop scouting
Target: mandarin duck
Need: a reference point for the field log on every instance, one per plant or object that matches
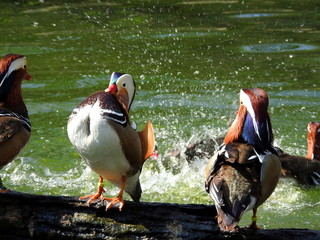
(101, 131)
(15, 127)
(313, 140)
(244, 172)
(305, 170)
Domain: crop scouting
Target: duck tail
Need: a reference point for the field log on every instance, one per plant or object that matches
(137, 193)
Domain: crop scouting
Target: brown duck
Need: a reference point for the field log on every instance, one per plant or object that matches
(15, 126)
(305, 170)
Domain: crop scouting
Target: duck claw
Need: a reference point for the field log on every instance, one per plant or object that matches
(254, 226)
(92, 198)
(113, 201)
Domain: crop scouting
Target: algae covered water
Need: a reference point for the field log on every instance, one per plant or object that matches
(189, 60)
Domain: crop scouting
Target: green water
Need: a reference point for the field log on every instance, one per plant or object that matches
(189, 60)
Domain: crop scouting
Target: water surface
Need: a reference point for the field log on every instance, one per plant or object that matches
(189, 60)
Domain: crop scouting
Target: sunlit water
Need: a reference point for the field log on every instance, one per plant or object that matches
(189, 60)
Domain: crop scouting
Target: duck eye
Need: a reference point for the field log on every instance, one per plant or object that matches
(124, 84)
(24, 66)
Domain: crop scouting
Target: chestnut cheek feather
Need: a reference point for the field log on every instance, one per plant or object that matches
(123, 98)
(234, 131)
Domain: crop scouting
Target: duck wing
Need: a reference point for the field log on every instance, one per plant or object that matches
(232, 180)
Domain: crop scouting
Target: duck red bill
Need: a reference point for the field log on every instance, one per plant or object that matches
(28, 77)
(112, 88)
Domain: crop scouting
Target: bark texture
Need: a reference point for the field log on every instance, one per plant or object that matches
(28, 216)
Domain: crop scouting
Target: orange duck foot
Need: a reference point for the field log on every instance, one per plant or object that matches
(113, 201)
(92, 197)
(97, 195)
(254, 218)
(4, 190)
(253, 225)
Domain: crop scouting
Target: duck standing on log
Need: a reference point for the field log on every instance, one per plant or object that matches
(246, 169)
(101, 131)
(15, 127)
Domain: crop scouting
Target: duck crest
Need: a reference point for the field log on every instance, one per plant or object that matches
(5, 64)
(13, 69)
(115, 76)
(252, 124)
(8, 70)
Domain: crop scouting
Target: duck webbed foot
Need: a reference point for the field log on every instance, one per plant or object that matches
(113, 201)
(3, 189)
(97, 195)
(254, 219)
(119, 198)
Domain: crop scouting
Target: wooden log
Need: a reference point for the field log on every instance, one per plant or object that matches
(27, 216)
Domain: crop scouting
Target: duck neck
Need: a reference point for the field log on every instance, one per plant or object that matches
(14, 101)
(314, 142)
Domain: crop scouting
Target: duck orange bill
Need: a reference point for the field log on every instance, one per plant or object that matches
(112, 88)
(28, 77)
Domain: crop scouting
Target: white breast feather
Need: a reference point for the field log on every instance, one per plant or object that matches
(98, 143)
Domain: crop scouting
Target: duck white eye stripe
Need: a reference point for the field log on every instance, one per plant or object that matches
(247, 103)
(15, 65)
(3, 79)
(268, 130)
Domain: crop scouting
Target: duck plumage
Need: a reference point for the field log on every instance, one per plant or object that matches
(245, 170)
(313, 140)
(305, 170)
(101, 131)
(15, 127)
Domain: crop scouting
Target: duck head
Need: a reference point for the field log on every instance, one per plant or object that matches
(123, 86)
(252, 123)
(13, 69)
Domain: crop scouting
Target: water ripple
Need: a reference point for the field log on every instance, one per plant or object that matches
(254, 15)
(278, 47)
